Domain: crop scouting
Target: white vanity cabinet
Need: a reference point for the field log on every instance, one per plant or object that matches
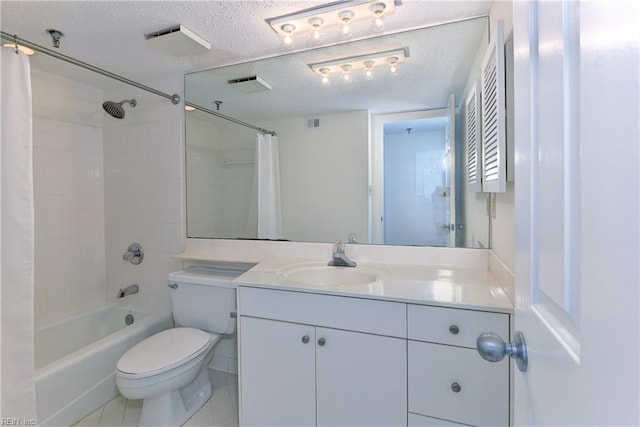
(447, 379)
(308, 360)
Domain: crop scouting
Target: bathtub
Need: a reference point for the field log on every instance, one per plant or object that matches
(75, 359)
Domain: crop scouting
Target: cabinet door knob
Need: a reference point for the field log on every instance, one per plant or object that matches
(454, 329)
(305, 339)
(322, 342)
(456, 387)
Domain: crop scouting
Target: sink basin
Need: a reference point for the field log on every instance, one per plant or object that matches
(324, 275)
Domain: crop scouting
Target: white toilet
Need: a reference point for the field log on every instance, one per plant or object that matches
(169, 370)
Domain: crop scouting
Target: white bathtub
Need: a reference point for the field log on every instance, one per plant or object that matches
(75, 359)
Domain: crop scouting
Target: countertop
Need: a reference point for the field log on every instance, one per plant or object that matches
(429, 285)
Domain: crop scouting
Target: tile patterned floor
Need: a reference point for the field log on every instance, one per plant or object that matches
(220, 411)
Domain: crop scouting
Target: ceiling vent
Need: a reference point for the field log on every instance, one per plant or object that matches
(177, 41)
(250, 84)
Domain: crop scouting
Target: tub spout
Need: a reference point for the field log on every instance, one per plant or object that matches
(131, 289)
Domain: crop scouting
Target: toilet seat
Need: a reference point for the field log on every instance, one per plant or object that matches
(163, 352)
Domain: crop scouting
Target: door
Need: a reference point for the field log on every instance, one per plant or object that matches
(361, 379)
(577, 221)
(278, 373)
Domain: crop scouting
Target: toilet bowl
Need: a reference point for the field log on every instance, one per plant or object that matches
(169, 370)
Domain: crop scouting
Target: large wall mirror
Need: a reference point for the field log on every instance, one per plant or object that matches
(363, 158)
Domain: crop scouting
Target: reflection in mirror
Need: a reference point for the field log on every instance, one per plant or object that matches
(376, 159)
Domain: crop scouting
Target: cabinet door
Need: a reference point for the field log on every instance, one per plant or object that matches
(277, 373)
(361, 379)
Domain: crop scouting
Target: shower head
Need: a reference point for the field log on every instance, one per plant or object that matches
(115, 108)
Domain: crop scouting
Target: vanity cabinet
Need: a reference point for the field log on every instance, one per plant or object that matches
(309, 360)
(325, 360)
(447, 379)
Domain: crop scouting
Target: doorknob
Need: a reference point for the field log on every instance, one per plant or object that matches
(492, 348)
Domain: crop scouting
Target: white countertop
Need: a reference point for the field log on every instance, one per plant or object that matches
(430, 285)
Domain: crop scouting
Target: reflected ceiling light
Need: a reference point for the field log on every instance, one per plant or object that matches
(345, 18)
(287, 34)
(366, 63)
(393, 65)
(189, 108)
(315, 36)
(368, 69)
(342, 15)
(346, 72)
(324, 74)
(378, 16)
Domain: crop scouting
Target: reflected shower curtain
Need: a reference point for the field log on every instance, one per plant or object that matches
(16, 234)
(268, 168)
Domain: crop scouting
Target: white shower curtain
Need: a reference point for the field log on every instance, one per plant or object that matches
(269, 214)
(16, 234)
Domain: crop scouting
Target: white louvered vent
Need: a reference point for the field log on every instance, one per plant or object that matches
(494, 177)
(472, 128)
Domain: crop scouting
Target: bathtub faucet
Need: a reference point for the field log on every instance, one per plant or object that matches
(131, 289)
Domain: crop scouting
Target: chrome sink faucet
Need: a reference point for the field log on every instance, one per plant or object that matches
(339, 258)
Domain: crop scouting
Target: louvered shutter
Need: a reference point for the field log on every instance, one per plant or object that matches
(472, 134)
(494, 168)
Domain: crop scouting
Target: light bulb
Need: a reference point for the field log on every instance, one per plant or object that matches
(288, 30)
(368, 69)
(345, 29)
(324, 72)
(315, 36)
(346, 73)
(378, 16)
(393, 65)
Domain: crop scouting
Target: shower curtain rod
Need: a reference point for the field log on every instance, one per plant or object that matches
(175, 98)
(231, 119)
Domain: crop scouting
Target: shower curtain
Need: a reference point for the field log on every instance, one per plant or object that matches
(16, 234)
(269, 215)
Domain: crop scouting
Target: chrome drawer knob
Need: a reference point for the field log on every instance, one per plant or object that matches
(454, 329)
(305, 339)
(456, 387)
(322, 342)
(493, 348)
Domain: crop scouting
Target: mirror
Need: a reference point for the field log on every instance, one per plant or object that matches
(344, 160)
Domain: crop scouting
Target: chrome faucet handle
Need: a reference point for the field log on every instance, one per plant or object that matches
(338, 246)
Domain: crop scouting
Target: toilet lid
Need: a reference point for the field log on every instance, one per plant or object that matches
(164, 351)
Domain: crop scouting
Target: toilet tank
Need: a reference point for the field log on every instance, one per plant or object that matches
(205, 298)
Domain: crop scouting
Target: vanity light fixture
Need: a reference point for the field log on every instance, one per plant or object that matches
(366, 63)
(342, 16)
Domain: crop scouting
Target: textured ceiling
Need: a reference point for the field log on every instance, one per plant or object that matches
(110, 34)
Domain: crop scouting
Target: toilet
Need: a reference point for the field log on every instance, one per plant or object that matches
(169, 370)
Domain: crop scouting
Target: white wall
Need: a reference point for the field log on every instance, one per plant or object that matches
(324, 176)
(143, 163)
(68, 197)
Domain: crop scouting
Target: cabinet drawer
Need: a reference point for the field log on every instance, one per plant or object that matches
(456, 384)
(453, 326)
(354, 314)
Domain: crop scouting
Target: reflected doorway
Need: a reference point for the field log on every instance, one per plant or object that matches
(413, 174)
